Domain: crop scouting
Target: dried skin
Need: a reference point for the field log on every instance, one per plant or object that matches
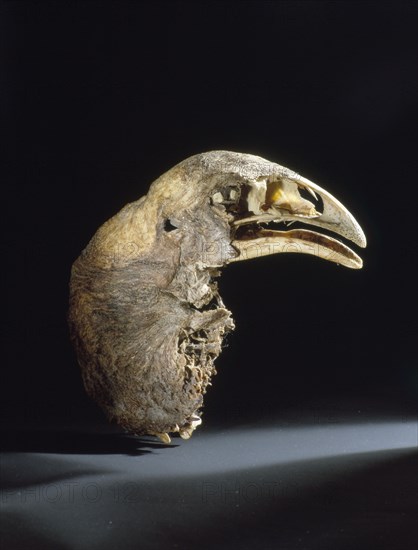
(145, 315)
(148, 323)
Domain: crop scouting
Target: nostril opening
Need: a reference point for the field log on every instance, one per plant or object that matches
(169, 226)
(318, 202)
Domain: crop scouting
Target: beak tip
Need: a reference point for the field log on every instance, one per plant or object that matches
(358, 237)
(362, 241)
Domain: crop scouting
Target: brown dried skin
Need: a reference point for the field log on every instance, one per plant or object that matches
(145, 342)
(145, 315)
(145, 348)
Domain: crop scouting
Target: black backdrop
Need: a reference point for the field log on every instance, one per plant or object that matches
(98, 99)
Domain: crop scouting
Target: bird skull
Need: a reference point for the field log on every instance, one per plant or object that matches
(145, 316)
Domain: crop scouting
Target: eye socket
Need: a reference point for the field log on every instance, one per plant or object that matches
(169, 226)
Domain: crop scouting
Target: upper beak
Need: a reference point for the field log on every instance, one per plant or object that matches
(279, 199)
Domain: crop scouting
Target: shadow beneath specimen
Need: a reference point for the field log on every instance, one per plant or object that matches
(75, 442)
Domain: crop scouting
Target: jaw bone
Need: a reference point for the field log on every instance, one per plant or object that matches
(279, 200)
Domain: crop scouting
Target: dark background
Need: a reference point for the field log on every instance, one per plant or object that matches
(98, 99)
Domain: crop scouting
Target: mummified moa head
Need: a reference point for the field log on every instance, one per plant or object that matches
(146, 318)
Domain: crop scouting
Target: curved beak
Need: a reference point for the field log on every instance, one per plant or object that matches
(287, 199)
